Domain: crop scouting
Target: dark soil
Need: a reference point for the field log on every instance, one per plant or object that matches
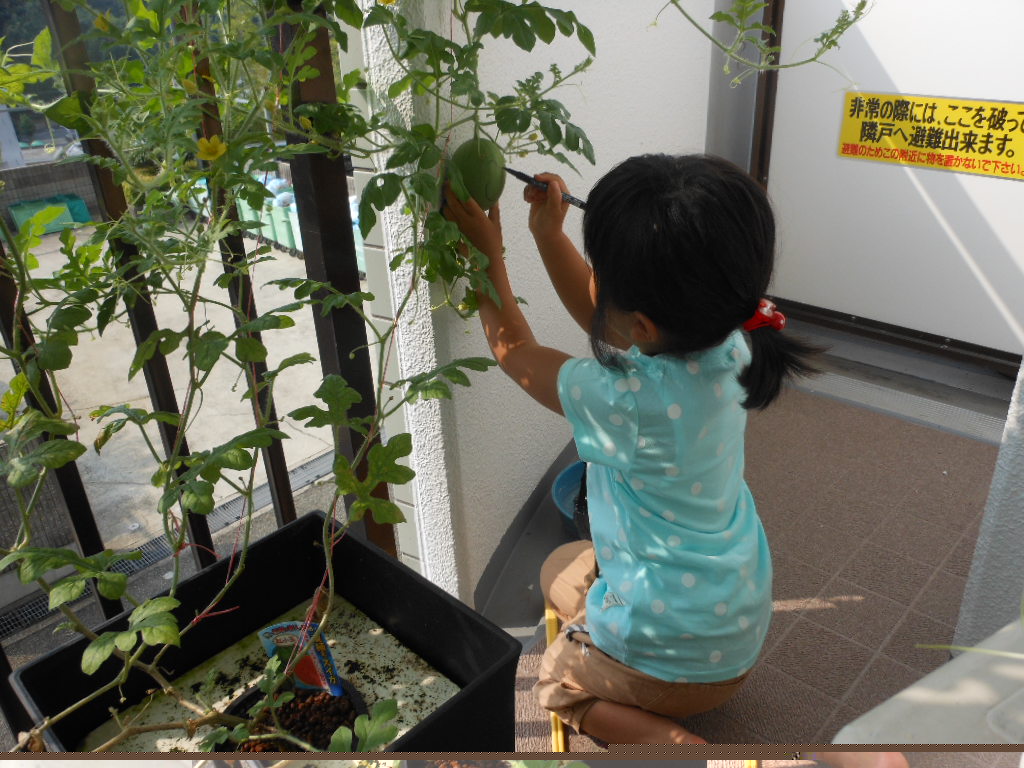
(312, 716)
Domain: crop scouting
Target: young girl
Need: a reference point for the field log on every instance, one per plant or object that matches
(665, 612)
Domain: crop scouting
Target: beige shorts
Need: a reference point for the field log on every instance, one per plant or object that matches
(574, 675)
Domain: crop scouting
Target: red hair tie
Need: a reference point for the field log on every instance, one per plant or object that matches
(766, 315)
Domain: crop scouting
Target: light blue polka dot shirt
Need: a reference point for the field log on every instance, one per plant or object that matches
(684, 591)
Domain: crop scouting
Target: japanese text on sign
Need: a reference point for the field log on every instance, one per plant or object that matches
(964, 135)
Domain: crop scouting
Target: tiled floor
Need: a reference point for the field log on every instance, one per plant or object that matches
(872, 521)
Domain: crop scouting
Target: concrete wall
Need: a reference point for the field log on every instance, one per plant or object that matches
(479, 457)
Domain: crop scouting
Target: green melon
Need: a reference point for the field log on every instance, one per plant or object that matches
(481, 164)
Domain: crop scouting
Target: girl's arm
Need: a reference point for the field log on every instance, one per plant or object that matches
(532, 366)
(568, 271)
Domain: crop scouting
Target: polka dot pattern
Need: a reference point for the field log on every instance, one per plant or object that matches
(627, 424)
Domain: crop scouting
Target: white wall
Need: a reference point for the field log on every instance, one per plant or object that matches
(930, 250)
(479, 458)
(645, 92)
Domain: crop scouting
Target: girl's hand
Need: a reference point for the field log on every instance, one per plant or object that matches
(482, 229)
(547, 209)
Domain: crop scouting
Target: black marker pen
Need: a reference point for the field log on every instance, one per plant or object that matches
(544, 185)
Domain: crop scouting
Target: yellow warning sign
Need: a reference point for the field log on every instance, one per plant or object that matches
(963, 135)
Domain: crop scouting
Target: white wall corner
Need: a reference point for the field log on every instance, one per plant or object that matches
(416, 352)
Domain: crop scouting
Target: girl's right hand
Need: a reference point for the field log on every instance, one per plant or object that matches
(547, 209)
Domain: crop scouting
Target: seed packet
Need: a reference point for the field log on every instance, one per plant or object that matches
(316, 668)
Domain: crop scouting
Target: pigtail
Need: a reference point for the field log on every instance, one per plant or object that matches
(775, 357)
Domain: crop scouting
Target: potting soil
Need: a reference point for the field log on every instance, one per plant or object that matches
(366, 654)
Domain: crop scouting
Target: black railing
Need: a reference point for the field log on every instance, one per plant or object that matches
(329, 253)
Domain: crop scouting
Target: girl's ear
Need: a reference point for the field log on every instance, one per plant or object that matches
(643, 329)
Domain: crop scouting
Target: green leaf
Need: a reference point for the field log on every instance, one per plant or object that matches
(70, 112)
(542, 26)
(36, 562)
(143, 353)
(587, 38)
(208, 348)
(396, 89)
(269, 321)
(379, 15)
(300, 359)
(56, 453)
(159, 629)
(112, 585)
(339, 397)
(250, 350)
(98, 651)
(42, 50)
(152, 606)
(197, 496)
(382, 510)
(215, 738)
(382, 461)
(12, 399)
(344, 476)
(237, 459)
(349, 12)
(376, 730)
(21, 472)
(67, 590)
(138, 9)
(341, 740)
(54, 354)
(125, 641)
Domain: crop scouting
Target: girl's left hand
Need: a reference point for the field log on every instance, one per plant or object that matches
(482, 229)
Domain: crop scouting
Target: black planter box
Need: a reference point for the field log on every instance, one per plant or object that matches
(472, 652)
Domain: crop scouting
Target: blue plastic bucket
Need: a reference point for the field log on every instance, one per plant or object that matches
(566, 488)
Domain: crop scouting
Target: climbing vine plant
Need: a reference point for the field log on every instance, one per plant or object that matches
(194, 101)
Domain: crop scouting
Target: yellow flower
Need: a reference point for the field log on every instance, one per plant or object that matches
(306, 123)
(189, 85)
(102, 22)
(212, 148)
(386, 2)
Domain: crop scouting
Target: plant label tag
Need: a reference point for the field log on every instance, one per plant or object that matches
(316, 668)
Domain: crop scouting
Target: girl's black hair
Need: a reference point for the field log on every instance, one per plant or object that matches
(690, 242)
